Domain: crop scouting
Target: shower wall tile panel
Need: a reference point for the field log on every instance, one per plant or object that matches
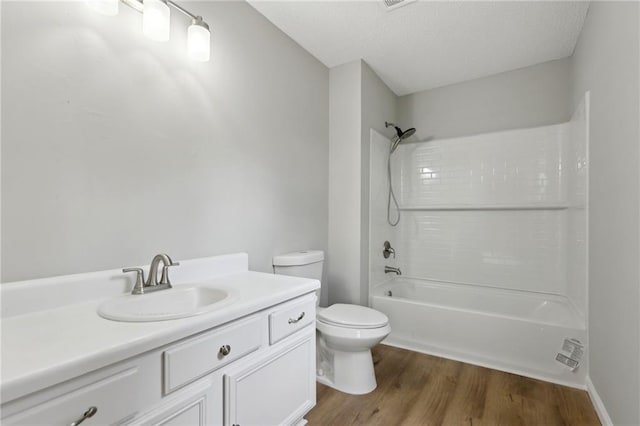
(576, 149)
(512, 167)
(577, 258)
(530, 250)
(576, 158)
(379, 230)
(522, 250)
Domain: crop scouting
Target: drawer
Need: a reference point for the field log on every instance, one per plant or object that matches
(291, 317)
(192, 359)
(114, 397)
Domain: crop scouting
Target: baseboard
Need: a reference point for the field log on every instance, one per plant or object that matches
(598, 404)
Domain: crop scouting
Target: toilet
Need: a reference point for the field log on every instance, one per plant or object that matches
(345, 333)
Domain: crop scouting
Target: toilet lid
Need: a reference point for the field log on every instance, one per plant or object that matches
(353, 316)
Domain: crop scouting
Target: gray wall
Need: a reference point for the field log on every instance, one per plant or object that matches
(359, 101)
(379, 104)
(115, 147)
(528, 97)
(605, 62)
(343, 258)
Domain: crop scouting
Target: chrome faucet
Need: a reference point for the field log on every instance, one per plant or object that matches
(152, 280)
(396, 271)
(152, 284)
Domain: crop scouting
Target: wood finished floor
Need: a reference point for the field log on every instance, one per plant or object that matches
(419, 389)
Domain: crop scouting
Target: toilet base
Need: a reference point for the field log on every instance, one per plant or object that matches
(350, 372)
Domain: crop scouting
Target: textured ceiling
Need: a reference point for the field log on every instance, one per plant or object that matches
(428, 44)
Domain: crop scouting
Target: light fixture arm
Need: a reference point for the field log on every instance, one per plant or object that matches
(182, 9)
(137, 5)
(134, 4)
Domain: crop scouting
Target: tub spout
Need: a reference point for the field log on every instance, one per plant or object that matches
(396, 271)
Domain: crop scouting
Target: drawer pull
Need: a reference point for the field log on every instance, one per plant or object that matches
(225, 350)
(87, 414)
(293, 321)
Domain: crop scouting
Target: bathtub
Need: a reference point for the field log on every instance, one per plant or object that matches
(515, 331)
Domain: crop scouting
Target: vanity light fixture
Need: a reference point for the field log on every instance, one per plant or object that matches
(198, 40)
(155, 19)
(156, 23)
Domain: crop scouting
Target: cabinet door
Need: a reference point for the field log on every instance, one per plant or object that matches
(191, 414)
(189, 407)
(276, 390)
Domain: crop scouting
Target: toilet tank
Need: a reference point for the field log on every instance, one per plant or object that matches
(305, 264)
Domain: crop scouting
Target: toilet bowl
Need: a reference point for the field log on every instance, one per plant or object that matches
(345, 333)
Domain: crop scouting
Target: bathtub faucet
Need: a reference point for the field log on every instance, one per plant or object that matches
(396, 271)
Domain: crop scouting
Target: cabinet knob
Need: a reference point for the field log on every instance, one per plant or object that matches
(225, 350)
(89, 413)
(295, 320)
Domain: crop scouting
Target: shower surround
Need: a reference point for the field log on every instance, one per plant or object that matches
(492, 244)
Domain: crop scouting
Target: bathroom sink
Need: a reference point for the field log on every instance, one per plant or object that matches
(163, 305)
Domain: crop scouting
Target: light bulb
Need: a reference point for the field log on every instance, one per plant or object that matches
(104, 7)
(155, 19)
(198, 40)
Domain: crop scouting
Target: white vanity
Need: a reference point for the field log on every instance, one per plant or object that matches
(250, 361)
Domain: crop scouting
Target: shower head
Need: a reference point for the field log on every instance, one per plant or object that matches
(400, 135)
(407, 133)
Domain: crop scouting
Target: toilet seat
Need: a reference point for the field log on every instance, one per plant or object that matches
(352, 316)
(351, 339)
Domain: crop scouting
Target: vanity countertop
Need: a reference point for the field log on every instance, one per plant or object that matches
(47, 346)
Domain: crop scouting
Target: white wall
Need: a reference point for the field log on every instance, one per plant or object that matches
(115, 147)
(528, 97)
(605, 62)
(344, 257)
